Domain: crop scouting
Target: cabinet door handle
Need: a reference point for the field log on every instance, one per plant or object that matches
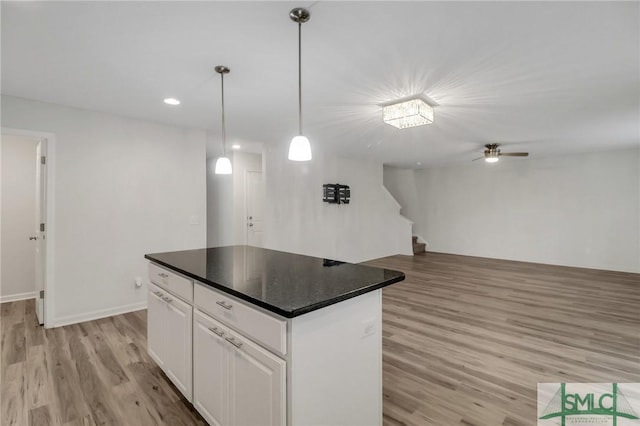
(233, 342)
(163, 275)
(167, 299)
(216, 331)
(158, 293)
(224, 305)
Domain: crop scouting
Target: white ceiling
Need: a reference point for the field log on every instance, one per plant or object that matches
(548, 77)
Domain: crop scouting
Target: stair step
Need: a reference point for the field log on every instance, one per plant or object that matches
(419, 248)
(414, 239)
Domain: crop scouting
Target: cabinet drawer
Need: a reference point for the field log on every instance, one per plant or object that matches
(264, 329)
(179, 286)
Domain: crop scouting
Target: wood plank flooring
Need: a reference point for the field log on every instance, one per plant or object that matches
(467, 339)
(465, 342)
(93, 373)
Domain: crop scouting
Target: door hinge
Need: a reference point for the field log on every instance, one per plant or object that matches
(42, 227)
(43, 160)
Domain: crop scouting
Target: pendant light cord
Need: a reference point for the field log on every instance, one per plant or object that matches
(224, 150)
(300, 78)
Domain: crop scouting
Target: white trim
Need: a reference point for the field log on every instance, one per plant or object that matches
(49, 279)
(18, 296)
(101, 313)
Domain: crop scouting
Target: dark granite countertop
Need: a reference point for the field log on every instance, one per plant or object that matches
(284, 283)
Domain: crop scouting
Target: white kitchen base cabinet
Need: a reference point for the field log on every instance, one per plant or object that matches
(169, 337)
(236, 382)
(300, 347)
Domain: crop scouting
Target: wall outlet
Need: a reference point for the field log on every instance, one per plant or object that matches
(369, 327)
(138, 282)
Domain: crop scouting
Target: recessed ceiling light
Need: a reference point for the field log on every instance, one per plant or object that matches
(172, 101)
(235, 146)
(419, 163)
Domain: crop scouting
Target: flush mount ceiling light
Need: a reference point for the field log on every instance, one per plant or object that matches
(223, 164)
(172, 101)
(407, 113)
(300, 148)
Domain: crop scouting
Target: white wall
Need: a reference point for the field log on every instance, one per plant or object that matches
(219, 207)
(401, 184)
(297, 220)
(579, 210)
(226, 200)
(123, 188)
(18, 180)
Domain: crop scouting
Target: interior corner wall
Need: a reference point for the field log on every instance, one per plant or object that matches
(575, 210)
(122, 188)
(18, 217)
(298, 221)
(401, 184)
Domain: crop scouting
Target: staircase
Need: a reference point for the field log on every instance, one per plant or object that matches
(417, 247)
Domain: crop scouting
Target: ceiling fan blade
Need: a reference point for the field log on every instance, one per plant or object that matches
(514, 154)
(479, 158)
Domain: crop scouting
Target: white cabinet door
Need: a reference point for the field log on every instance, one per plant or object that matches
(256, 385)
(155, 325)
(178, 326)
(210, 360)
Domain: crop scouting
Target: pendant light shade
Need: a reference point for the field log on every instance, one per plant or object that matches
(223, 164)
(300, 148)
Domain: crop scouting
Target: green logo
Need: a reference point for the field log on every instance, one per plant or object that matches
(584, 403)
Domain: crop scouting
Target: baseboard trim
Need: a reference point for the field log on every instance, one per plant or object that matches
(102, 313)
(18, 296)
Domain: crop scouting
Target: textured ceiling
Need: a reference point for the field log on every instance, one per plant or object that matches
(548, 77)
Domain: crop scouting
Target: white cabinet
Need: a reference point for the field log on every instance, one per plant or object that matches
(236, 382)
(155, 326)
(210, 371)
(169, 337)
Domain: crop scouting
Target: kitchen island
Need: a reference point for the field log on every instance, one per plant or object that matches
(253, 336)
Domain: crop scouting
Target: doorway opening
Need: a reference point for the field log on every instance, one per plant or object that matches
(25, 237)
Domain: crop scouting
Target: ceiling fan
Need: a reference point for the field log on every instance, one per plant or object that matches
(493, 154)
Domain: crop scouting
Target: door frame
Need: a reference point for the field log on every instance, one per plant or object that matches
(49, 276)
(246, 201)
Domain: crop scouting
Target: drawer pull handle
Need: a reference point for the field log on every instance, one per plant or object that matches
(233, 342)
(224, 305)
(216, 331)
(163, 275)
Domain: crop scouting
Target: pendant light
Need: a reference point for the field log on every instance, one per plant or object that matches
(223, 164)
(299, 149)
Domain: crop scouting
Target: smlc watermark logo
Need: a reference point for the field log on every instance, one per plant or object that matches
(577, 404)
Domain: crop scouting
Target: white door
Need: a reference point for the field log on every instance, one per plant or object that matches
(156, 314)
(178, 327)
(257, 387)
(210, 374)
(40, 227)
(255, 201)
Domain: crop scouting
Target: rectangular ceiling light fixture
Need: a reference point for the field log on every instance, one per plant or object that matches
(409, 113)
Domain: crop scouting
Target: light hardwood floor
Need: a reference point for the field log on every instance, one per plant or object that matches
(465, 339)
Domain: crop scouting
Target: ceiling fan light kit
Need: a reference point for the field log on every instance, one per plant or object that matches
(408, 113)
(492, 154)
(299, 148)
(223, 164)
